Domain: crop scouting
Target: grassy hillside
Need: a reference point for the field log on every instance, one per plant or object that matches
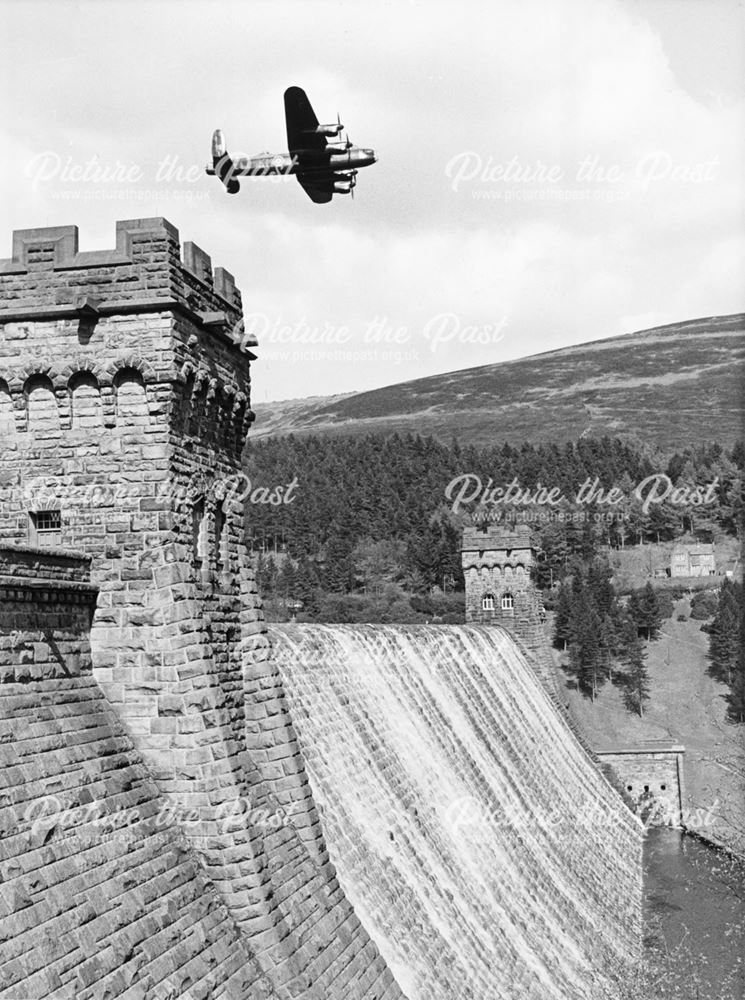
(686, 706)
(672, 385)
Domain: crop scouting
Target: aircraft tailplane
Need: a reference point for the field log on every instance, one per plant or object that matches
(222, 163)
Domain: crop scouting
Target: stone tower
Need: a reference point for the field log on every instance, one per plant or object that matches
(497, 560)
(124, 410)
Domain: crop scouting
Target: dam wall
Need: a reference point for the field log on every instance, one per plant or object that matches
(484, 850)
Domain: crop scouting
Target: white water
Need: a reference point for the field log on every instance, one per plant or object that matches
(480, 847)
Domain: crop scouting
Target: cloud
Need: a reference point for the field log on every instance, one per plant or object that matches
(523, 261)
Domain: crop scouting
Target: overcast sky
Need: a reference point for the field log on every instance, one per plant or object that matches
(550, 171)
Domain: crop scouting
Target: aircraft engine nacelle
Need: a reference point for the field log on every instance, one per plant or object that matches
(342, 187)
(330, 130)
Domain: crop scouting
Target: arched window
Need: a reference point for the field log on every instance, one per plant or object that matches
(7, 421)
(85, 398)
(43, 414)
(487, 602)
(508, 602)
(199, 533)
(131, 397)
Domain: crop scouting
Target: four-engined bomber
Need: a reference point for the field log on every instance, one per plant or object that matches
(323, 168)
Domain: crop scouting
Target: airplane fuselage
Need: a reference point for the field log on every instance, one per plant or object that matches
(303, 161)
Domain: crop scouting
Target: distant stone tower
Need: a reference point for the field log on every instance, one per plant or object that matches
(497, 561)
(124, 409)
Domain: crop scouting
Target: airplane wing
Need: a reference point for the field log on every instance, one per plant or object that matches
(302, 123)
(318, 187)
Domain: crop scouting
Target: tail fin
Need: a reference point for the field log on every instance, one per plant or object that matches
(222, 164)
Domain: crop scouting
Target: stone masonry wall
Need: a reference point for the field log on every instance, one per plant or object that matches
(652, 779)
(46, 607)
(102, 897)
(124, 408)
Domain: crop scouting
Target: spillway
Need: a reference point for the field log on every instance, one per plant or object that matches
(480, 846)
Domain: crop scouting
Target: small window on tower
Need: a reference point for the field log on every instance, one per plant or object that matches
(199, 533)
(45, 528)
(487, 602)
(220, 538)
(507, 602)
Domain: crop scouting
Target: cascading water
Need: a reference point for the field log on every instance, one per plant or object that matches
(479, 845)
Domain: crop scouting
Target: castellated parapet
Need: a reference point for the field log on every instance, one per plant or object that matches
(124, 409)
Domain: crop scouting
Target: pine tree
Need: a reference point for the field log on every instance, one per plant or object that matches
(286, 579)
(736, 696)
(338, 570)
(261, 573)
(270, 574)
(644, 609)
(635, 676)
(585, 630)
(608, 643)
(598, 581)
(306, 583)
(651, 614)
(724, 634)
(563, 616)
(591, 670)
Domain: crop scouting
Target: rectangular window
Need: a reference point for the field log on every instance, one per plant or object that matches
(45, 528)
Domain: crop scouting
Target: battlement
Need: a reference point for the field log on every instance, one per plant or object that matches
(492, 536)
(48, 277)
